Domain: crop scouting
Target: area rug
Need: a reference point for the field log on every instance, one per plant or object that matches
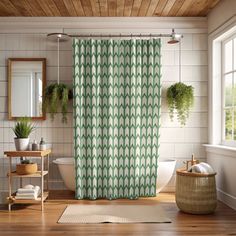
(92, 214)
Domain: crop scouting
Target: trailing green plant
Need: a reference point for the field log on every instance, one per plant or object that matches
(57, 96)
(26, 161)
(180, 98)
(23, 127)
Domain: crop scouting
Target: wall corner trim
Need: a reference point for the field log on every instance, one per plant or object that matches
(226, 198)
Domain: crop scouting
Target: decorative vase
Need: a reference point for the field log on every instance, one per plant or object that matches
(26, 169)
(22, 144)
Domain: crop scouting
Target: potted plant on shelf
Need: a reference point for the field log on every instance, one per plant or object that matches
(180, 98)
(57, 96)
(22, 130)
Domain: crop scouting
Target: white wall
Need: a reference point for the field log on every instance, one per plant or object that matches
(221, 20)
(21, 38)
(220, 14)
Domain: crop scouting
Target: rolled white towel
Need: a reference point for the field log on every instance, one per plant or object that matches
(207, 167)
(201, 168)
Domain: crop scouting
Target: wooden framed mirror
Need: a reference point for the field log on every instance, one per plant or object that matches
(26, 84)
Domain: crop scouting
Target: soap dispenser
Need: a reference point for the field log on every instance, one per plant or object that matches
(42, 145)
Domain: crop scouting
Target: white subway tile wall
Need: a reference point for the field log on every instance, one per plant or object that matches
(176, 142)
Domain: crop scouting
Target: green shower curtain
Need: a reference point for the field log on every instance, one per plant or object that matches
(117, 98)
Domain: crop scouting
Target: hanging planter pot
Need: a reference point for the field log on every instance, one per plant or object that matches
(180, 99)
(180, 96)
(56, 98)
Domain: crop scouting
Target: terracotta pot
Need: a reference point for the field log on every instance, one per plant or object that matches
(26, 169)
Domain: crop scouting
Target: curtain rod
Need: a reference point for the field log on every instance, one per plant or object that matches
(120, 35)
(63, 36)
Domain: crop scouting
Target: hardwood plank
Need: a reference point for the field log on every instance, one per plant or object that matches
(175, 8)
(45, 6)
(160, 6)
(112, 7)
(52, 6)
(36, 8)
(78, 7)
(152, 7)
(196, 7)
(70, 7)
(106, 7)
(144, 7)
(3, 12)
(184, 8)
(8, 9)
(128, 7)
(167, 7)
(120, 7)
(22, 7)
(222, 222)
(95, 7)
(103, 7)
(136, 7)
(87, 7)
(61, 7)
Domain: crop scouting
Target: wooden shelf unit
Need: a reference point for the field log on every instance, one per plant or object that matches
(39, 174)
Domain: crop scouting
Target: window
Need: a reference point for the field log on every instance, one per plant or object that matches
(229, 90)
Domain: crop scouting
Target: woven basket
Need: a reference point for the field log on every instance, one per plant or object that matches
(26, 169)
(195, 192)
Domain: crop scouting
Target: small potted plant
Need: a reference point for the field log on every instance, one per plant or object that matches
(180, 98)
(22, 130)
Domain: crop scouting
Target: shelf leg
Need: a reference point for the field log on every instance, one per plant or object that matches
(48, 172)
(42, 182)
(21, 185)
(9, 206)
(9, 182)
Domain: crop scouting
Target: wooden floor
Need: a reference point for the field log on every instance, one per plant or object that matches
(29, 221)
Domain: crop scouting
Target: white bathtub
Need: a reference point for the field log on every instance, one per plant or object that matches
(66, 168)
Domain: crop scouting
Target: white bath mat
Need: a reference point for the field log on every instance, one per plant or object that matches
(92, 214)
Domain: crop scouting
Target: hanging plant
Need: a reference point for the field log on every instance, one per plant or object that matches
(180, 98)
(56, 98)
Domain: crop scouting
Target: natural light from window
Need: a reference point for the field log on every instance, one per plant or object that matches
(229, 89)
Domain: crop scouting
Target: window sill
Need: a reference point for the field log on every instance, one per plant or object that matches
(221, 149)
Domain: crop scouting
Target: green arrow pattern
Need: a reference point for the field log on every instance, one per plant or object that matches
(117, 100)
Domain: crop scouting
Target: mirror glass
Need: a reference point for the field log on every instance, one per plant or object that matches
(26, 81)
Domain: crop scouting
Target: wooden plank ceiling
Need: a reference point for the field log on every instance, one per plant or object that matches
(106, 7)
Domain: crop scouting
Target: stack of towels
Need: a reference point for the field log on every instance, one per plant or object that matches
(201, 168)
(28, 192)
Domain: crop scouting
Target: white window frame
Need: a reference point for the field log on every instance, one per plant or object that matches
(223, 74)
